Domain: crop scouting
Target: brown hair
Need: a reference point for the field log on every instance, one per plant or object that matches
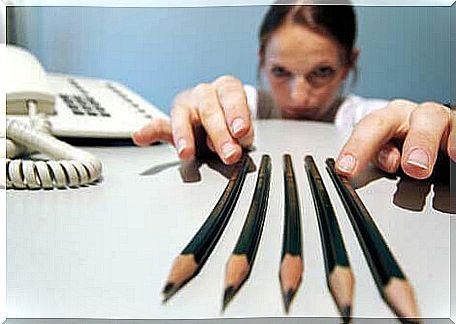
(335, 21)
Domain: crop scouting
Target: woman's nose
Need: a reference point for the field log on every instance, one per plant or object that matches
(300, 91)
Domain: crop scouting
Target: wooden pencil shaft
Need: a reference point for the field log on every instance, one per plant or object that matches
(334, 251)
(250, 236)
(292, 236)
(208, 235)
(379, 258)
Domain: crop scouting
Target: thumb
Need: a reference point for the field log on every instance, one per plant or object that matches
(156, 130)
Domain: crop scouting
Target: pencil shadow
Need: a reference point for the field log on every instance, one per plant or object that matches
(159, 168)
(190, 170)
(411, 194)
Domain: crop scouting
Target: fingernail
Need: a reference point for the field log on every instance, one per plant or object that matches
(385, 158)
(237, 125)
(453, 152)
(181, 144)
(228, 150)
(136, 136)
(419, 158)
(347, 163)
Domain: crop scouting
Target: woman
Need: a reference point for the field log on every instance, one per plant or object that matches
(306, 53)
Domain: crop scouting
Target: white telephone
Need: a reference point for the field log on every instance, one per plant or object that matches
(40, 104)
(76, 107)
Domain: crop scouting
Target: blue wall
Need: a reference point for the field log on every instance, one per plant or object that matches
(405, 52)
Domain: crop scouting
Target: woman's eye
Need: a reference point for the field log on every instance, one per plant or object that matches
(280, 72)
(323, 72)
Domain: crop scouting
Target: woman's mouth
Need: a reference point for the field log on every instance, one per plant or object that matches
(310, 113)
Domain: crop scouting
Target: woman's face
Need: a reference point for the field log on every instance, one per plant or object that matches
(305, 71)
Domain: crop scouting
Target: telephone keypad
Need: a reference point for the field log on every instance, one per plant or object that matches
(134, 106)
(86, 105)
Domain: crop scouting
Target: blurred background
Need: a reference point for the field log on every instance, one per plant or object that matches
(157, 52)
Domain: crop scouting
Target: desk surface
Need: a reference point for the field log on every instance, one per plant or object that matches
(105, 250)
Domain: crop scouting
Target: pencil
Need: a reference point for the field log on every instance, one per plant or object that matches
(389, 278)
(192, 258)
(241, 261)
(291, 265)
(339, 276)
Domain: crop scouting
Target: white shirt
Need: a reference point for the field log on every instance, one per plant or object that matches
(350, 112)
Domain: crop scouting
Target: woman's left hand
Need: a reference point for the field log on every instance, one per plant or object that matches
(423, 129)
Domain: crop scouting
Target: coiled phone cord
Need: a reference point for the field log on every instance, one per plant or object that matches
(73, 167)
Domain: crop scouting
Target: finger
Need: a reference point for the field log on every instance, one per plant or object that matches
(388, 158)
(247, 140)
(370, 134)
(428, 124)
(213, 120)
(156, 130)
(233, 101)
(184, 140)
(452, 138)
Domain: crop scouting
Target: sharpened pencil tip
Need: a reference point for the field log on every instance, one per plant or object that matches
(346, 314)
(169, 286)
(228, 295)
(169, 290)
(287, 298)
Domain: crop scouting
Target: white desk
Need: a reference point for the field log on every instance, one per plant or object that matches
(104, 251)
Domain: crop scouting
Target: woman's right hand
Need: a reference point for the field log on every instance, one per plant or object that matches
(219, 107)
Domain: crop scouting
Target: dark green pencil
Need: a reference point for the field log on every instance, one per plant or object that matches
(339, 276)
(192, 258)
(291, 265)
(389, 278)
(240, 263)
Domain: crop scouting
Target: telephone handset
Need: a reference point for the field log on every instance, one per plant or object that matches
(29, 96)
(26, 80)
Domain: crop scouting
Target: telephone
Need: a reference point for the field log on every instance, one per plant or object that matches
(40, 106)
(75, 106)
